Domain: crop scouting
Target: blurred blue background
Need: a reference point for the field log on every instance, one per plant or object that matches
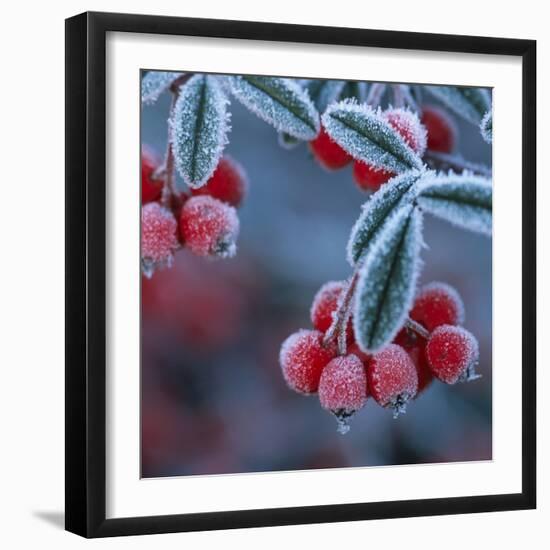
(213, 397)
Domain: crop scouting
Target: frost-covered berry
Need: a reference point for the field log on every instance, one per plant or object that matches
(158, 237)
(392, 378)
(343, 388)
(438, 304)
(209, 227)
(442, 131)
(328, 153)
(418, 355)
(151, 187)
(326, 303)
(452, 354)
(354, 349)
(409, 128)
(303, 357)
(228, 183)
(415, 346)
(369, 178)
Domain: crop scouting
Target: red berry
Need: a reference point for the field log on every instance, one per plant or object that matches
(329, 154)
(228, 183)
(392, 378)
(343, 384)
(151, 188)
(158, 237)
(409, 128)
(425, 376)
(303, 358)
(354, 349)
(369, 178)
(415, 346)
(209, 227)
(438, 304)
(325, 303)
(452, 354)
(343, 388)
(442, 131)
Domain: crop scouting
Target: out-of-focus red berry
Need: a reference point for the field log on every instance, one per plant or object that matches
(442, 131)
(369, 178)
(438, 304)
(228, 183)
(328, 153)
(151, 188)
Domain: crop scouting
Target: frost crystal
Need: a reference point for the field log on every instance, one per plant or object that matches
(387, 280)
(486, 127)
(377, 209)
(198, 129)
(154, 83)
(469, 103)
(366, 136)
(279, 101)
(464, 200)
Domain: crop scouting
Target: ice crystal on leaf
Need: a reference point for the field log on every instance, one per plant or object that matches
(486, 127)
(376, 211)
(465, 200)
(387, 280)
(198, 129)
(279, 101)
(367, 136)
(470, 103)
(154, 83)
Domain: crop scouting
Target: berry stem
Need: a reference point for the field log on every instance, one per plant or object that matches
(338, 330)
(444, 161)
(417, 327)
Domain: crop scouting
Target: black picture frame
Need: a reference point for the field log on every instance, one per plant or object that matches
(86, 274)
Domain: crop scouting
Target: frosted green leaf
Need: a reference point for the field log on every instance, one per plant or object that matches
(387, 280)
(154, 83)
(366, 136)
(486, 127)
(198, 129)
(465, 200)
(376, 211)
(279, 101)
(470, 103)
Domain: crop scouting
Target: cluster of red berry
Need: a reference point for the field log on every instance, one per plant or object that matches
(434, 131)
(205, 220)
(431, 344)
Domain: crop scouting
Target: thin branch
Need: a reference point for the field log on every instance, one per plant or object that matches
(338, 330)
(417, 327)
(444, 161)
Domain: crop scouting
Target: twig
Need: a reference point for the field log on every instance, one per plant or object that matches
(417, 327)
(444, 161)
(338, 329)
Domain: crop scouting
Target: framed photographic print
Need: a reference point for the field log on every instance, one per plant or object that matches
(300, 274)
